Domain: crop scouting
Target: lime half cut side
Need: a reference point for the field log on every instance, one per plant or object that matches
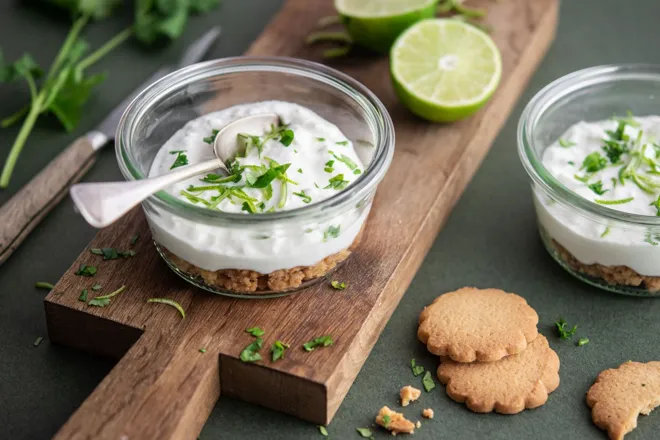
(376, 24)
(444, 70)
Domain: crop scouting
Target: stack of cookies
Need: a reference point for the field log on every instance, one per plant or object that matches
(491, 354)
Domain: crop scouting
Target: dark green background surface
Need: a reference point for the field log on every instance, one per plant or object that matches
(490, 240)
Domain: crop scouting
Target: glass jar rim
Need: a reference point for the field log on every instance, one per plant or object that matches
(546, 98)
(376, 113)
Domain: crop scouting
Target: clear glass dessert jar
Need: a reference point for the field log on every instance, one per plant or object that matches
(267, 254)
(607, 248)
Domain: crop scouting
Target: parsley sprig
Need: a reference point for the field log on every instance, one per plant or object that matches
(66, 87)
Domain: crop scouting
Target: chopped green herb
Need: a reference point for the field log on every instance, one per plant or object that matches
(648, 238)
(302, 195)
(38, 341)
(563, 330)
(605, 232)
(273, 173)
(328, 166)
(583, 179)
(614, 202)
(96, 287)
(323, 430)
(277, 350)
(570, 162)
(169, 302)
(428, 382)
(356, 171)
(300, 170)
(246, 207)
(320, 139)
(386, 420)
(202, 350)
(597, 187)
(251, 352)
(337, 182)
(657, 206)
(209, 140)
(594, 162)
(342, 143)
(322, 341)
(583, 341)
(83, 296)
(255, 331)
(112, 253)
(345, 159)
(365, 433)
(566, 144)
(614, 182)
(181, 159)
(417, 370)
(338, 285)
(102, 301)
(134, 239)
(286, 137)
(332, 232)
(86, 271)
(614, 150)
(44, 285)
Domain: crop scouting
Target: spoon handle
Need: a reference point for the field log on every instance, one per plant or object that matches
(103, 203)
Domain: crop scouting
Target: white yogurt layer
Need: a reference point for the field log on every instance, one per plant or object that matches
(311, 160)
(615, 163)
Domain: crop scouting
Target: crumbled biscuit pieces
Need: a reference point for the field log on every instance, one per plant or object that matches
(394, 422)
(409, 394)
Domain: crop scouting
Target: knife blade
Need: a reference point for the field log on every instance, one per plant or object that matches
(23, 212)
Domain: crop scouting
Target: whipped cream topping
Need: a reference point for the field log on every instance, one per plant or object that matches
(614, 163)
(309, 160)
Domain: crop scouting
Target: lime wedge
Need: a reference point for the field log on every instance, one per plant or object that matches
(375, 24)
(444, 70)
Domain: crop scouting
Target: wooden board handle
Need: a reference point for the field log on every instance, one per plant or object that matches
(23, 212)
(164, 388)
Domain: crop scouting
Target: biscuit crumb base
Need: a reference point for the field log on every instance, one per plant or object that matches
(619, 395)
(613, 275)
(249, 281)
(428, 413)
(507, 386)
(409, 394)
(397, 423)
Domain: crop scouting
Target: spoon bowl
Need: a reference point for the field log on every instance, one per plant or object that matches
(103, 203)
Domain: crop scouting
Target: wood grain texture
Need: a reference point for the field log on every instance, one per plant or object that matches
(23, 212)
(164, 388)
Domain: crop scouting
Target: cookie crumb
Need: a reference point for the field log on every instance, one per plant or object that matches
(409, 394)
(428, 413)
(394, 422)
(418, 424)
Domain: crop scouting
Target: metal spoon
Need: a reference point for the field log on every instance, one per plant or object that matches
(103, 203)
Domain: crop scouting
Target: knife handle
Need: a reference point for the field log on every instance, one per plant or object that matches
(23, 212)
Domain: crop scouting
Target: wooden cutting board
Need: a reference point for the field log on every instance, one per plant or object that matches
(163, 387)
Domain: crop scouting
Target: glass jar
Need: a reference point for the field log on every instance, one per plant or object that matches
(604, 247)
(267, 254)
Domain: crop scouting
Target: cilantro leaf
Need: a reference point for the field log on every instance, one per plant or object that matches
(566, 144)
(386, 420)
(286, 137)
(563, 330)
(322, 341)
(99, 302)
(306, 198)
(278, 349)
(86, 271)
(23, 67)
(112, 253)
(365, 433)
(428, 382)
(251, 352)
(83, 296)
(67, 103)
(323, 430)
(255, 331)
(181, 159)
(594, 162)
(337, 182)
(273, 173)
(345, 159)
(583, 341)
(332, 232)
(417, 370)
(597, 187)
(209, 140)
(656, 204)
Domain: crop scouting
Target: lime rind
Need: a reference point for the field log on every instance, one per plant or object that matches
(445, 70)
(378, 30)
(373, 9)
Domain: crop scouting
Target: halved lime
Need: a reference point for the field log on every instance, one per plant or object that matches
(375, 24)
(445, 70)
